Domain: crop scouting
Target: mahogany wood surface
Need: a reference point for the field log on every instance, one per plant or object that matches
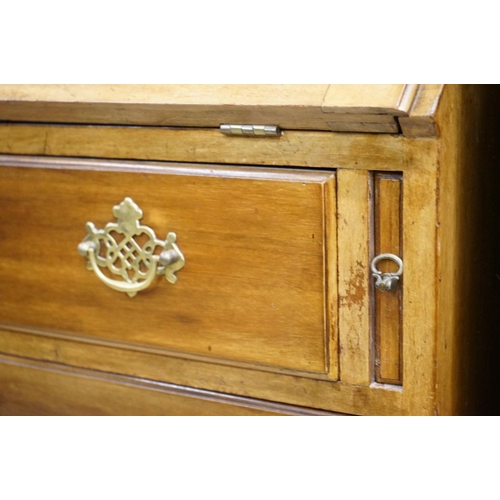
(254, 287)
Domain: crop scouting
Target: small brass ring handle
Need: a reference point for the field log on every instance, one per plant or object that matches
(118, 249)
(386, 282)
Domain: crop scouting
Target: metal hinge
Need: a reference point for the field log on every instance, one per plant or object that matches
(251, 130)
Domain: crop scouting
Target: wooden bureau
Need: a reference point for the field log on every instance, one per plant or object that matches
(262, 289)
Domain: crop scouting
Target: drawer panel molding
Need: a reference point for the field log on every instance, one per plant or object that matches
(232, 304)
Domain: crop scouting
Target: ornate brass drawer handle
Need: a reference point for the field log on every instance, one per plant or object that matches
(117, 248)
(386, 282)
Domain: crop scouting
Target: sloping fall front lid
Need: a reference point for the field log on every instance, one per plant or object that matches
(341, 108)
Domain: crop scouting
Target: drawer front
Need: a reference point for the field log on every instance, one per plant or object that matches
(39, 388)
(258, 244)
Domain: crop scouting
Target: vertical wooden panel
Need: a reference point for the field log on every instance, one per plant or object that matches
(331, 309)
(468, 340)
(419, 286)
(388, 312)
(354, 195)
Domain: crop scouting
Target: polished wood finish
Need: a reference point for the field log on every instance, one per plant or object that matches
(41, 388)
(254, 242)
(326, 203)
(214, 376)
(388, 306)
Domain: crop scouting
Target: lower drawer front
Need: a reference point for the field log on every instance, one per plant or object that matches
(254, 289)
(34, 388)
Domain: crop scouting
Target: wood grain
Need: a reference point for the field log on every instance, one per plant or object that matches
(418, 285)
(253, 289)
(300, 149)
(289, 106)
(331, 308)
(447, 159)
(453, 198)
(388, 335)
(39, 388)
(468, 343)
(217, 95)
(243, 381)
(354, 216)
(421, 121)
(372, 124)
(393, 99)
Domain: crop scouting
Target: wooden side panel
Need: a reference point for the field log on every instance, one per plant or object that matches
(38, 388)
(468, 344)
(354, 214)
(388, 314)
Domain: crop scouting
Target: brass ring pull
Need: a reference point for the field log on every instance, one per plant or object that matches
(386, 282)
(116, 247)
